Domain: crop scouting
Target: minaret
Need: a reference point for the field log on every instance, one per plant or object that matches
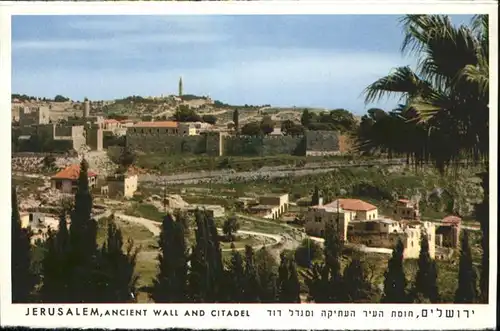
(180, 87)
(86, 108)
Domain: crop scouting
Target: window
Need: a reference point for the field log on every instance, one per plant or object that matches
(31, 217)
(58, 185)
(411, 243)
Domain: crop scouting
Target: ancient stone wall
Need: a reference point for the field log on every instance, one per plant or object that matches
(322, 142)
(318, 142)
(164, 143)
(63, 130)
(261, 146)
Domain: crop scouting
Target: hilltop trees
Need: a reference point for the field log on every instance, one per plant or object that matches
(170, 284)
(467, 278)
(395, 279)
(23, 279)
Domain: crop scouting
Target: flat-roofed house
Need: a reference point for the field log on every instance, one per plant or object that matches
(66, 180)
(158, 127)
(340, 212)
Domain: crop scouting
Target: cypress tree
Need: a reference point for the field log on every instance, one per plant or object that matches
(426, 279)
(395, 279)
(56, 265)
(325, 280)
(289, 285)
(315, 197)
(236, 121)
(236, 277)
(170, 284)
(467, 278)
(23, 279)
(252, 284)
(83, 236)
(207, 277)
(116, 268)
(357, 287)
(266, 266)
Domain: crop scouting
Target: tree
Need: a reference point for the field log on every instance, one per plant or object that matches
(307, 118)
(236, 120)
(395, 279)
(308, 251)
(117, 281)
(267, 125)
(252, 284)
(236, 276)
(83, 245)
(251, 129)
(49, 162)
(23, 279)
(426, 279)
(288, 281)
(186, 114)
(356, 285)
(290, 128)
(206, 279)
(446, 101)
(266, 270)
(126, 159)
(467, 278)
(230, 227)
(315, 197)
(210, 119)
(170, 284)
(325, 280)
(60, 98)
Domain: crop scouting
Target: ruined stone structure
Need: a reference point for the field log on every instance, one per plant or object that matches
(34, 115)
(217, 143)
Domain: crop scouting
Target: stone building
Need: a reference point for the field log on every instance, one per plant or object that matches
(34, 115)
(123, 185)
(448, 232)
(66, 180)
(340, 212)
(406, 209)
(271, 206)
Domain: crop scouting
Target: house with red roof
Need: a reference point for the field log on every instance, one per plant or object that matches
(66, 180)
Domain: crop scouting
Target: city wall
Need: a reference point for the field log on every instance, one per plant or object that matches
(217, 144)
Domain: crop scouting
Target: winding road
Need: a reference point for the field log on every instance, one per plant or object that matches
(154, 228)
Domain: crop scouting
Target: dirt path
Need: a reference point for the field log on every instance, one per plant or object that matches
(154, 228)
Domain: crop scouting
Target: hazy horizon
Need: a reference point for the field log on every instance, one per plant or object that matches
(316, 61)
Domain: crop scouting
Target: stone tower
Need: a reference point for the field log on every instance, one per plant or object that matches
(86, 108)
(180, 86)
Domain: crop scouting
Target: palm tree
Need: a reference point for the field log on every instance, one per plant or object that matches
(445, 99)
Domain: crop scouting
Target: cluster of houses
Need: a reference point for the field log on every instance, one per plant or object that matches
(359, 222)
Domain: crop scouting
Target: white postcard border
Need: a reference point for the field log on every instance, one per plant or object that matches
(14, 315)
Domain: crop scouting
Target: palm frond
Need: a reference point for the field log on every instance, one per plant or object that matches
(401, 81)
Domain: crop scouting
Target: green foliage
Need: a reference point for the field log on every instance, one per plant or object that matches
(23, 279)
(266, 271)
(236, 278)
(356, 285)
(467, 277)
(236, 120)
(186, 114)
(426, 280)
(267, 125)
(60, 98)
(395, 279)
(288, 281)
(307, 252)
(251, 278)
(170, 284)
(210, 119)
(335, 120)
(324, 280)
(251, 129)
(230, 227)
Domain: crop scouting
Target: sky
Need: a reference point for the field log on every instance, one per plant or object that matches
(322, 61)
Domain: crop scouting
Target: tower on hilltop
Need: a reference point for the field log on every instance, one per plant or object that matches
(180, 86)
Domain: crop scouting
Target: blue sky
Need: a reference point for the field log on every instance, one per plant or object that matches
(314, 60)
